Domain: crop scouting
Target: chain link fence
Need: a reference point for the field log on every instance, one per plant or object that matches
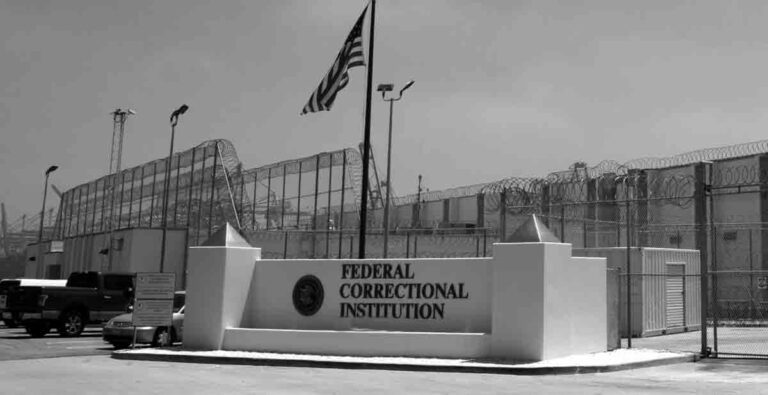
(715, 303)
(307, 208)
(344, 244)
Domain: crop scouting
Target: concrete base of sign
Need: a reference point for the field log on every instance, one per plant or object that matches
(217, 288)
(531, 301)
(379, 343)
(547, 304)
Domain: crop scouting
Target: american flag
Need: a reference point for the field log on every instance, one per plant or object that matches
(351, 55)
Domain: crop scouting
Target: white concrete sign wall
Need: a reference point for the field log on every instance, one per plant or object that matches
(431, 295)
(531, 301)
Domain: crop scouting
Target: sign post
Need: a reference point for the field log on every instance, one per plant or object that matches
(153, 301)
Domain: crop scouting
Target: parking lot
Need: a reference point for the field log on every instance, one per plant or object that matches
(17, 344)
(83, 365)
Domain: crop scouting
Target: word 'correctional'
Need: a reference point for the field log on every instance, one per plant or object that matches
(403, 291)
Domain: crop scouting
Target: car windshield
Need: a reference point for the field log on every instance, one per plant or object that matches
(178, 302)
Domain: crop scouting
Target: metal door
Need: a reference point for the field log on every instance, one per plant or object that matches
(675, 292)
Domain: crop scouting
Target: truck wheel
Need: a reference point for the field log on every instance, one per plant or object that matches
(162, 338)
(38, 329)
(11, 323)
(71, 323)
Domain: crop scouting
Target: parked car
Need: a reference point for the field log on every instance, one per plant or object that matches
(87, 298)
(119, 330)
(10, 292)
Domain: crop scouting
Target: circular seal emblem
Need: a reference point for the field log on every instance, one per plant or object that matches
(308, 295)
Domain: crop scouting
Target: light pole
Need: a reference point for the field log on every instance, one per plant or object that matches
(418, 204)
(50, 170)
(384, 88)
(174, 121)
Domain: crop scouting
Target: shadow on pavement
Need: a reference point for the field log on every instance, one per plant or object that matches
(758, 366)
(21, 334)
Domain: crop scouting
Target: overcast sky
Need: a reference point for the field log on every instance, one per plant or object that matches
(503, 88)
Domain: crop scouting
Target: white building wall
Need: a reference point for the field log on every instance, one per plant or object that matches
(136, 250)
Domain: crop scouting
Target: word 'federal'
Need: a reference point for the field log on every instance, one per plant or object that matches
(375, 271)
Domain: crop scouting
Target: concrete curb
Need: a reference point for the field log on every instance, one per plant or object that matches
(458, 368)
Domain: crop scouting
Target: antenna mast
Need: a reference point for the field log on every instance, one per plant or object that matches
(115, 163)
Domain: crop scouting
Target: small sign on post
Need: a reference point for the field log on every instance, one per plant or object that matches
(155, 285)
(153, 300)
(153, 312)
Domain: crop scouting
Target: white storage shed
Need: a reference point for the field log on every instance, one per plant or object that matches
(665, 288)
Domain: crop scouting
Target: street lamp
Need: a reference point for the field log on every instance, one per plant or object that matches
(384, 88)
(174, 121)
(50, 170)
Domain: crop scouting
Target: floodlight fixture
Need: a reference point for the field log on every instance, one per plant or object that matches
(385, 87)
(408, 85)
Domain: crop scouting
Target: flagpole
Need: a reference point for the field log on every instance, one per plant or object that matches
(367, 139)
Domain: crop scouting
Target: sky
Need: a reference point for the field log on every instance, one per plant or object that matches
(502, 88)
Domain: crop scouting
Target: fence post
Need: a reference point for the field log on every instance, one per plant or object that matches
(285, 244)
(562, 222)
(477, 246)
(753, 310)
(485, 242)
(715, 305)
(415, 246)
(701, 227)
(629, 266)
(502, 215)
(328, 238)
(408, 245)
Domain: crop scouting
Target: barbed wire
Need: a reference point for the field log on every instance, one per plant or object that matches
(578, 183)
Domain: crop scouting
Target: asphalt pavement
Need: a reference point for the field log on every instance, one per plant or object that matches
(17, 344)
(102, 374)
(83, 365)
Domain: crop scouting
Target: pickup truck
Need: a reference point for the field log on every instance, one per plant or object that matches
(87, 298)
(9, 294)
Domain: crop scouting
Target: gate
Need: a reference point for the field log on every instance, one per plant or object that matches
(739, 314)
(738, 279)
